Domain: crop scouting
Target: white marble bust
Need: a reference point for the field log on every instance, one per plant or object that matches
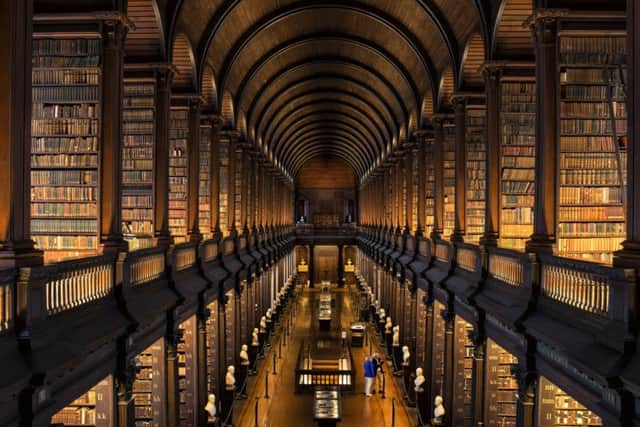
(244, 356)
(419, 381)
(382, 314)
(406, 355)
(388, 326)
(396, 336)
(269, 314)
(438, 410)
(230, 378)
(210, 407)
(254, 337)
(263, 324)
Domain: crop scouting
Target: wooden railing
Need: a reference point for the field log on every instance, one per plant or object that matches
(209, 250)
(71, 284)
(589, 287)
(7, 292)
(442, 252)
(506, 268)
(184, 256)
(146, 265)
(467, 259)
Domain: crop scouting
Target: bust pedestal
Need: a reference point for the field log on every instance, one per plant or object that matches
(422, 404)
(407, 374)
(253, 355)
(227, 402)
(388, 340)
(243, 373)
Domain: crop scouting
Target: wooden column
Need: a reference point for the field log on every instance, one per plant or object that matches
(545, 30)
(461, 170)
(438, 176)
(421, 188)
(478, 396)
(161, 158)
(193, 179)
(409, 158)
(16, 247)
(110, 163)
(214, 182)
(201, 364)
(399, 177)
(242, 155)
(492, 194)
(526, 402)
(171, 372)
(449, 362)
(123, 385)
(629, 256)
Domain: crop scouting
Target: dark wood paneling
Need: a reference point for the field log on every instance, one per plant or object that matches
(325, 173)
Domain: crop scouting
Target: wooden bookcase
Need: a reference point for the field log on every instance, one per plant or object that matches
(476, 159)
(204, 193)
(223, 187)
(449, 142)
(213, 351)
(558, 409)
(93, 408)
(501, 387)
(429, 186)
(149, 396)
(187, 373)
(438, 348)
(138, 148)
(178, 173)
(65, 144)
(463, 374)
(230, 329)
(591, 214)
(421, 327)
(517, 161)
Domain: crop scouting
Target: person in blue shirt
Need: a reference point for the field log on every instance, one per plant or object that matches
(369, 375)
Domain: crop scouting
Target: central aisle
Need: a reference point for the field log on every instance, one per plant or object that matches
(286, 408)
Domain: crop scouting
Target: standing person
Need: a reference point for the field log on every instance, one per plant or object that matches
(369, 375)
(376, 365)
(379, 364)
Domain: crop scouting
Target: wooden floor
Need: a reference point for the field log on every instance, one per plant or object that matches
(285, 408)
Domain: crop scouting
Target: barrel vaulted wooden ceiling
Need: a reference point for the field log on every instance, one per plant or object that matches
(308, 78)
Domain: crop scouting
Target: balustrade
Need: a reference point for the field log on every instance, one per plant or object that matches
(506, 268)
(146, 266)
(184, 256)
(71, 284)
(209, 250)
(442, 252)
(466, 259)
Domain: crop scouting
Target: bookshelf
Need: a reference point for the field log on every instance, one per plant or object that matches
(429, 187)
(449, 142)
(591, 222)
(149, 388)
(187, 373)
(213, 352)
(517, 161)
(463, 374)
(204, 193)
(415, 176)
(65, 145)
(421, 327)
(178, 173)
(93, 408)
(229, 329)
(501, 386)
(223, 188)
(438, 348)
(138, 147)
(558, 409)
(476, 159)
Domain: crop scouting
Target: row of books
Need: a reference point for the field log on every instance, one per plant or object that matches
(138, 115)
(590, 195)
(518, 187)
(585, 76)
(56, 127)
(589, 229)
(591, 126)
(519, 215)
(590, 50)
(63, 226)
(65, 94)
(139, 214)
(138, 200)
(63, 177)
(594, 213)
(137, 140)
(64, 145)
(64, 160)
(64, 193)
(87, 76)
(591, 93)
(66, 46)
(138, 127)
(589, 161)
(592, 110)
(66, 242)
(63, 209)
(587, 144)
(589, 177)
(593, 245)
(65, 111)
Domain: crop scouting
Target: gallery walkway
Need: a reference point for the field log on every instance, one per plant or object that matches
(284, 407)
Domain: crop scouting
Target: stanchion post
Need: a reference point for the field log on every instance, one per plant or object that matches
(384, 384)
(280, 348)
(393, 412)
(266, 386)
(256, 413)
(274, 363)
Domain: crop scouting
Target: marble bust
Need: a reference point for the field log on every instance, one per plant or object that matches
(419, 381)
(406, 355)
(388, 326)
(210, 407)
(254, 337)
(263, 324)
(230, 378)
(396, 336)
(244, 356)
(438, 411)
